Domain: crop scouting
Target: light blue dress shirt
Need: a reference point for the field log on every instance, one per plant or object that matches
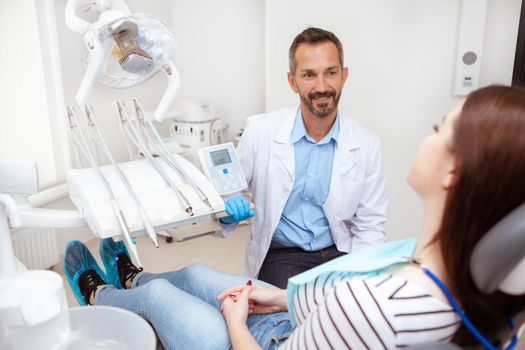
(303, 223)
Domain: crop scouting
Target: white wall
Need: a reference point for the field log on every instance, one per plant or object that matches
(400, 56)
(220, 55)
(25, 130)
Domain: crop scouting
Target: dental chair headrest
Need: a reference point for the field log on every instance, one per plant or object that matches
(498, 260)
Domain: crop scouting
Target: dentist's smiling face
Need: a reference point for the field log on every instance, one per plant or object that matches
(318, 78)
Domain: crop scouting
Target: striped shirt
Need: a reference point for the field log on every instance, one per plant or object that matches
(378, 312)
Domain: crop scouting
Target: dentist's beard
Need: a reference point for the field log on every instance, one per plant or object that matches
(321, 110)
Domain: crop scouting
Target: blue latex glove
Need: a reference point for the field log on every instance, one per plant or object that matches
(238, 208)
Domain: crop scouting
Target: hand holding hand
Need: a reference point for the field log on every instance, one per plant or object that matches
(235, 307)
(262, 300)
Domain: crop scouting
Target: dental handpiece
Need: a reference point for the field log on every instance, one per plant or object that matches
(80, 142)
(133, 134)
(142, 212)
(165, 153)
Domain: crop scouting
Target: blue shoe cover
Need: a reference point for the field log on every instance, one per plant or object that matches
(109, 250)
(78, 259)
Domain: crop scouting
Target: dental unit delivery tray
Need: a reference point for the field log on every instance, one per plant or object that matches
(160, 202)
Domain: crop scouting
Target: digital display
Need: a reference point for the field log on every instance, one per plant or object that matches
(220, 157)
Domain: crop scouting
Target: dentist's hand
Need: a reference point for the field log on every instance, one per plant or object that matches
(238, 208)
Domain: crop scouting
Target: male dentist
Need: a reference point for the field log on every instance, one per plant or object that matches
(315, 174)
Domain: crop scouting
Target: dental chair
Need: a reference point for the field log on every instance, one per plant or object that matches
(498, 262)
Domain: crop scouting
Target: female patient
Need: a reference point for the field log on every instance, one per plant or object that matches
(469, 174)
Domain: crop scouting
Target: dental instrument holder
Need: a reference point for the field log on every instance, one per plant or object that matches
(159, 201)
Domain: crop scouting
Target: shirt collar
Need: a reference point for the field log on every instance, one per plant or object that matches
(299, 130)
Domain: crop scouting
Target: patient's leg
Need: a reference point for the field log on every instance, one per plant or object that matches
(181, 320)
(198, 280)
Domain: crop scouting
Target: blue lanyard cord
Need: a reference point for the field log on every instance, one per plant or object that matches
(464, 317)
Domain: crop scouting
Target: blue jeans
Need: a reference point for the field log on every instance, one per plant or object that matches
(182, 307)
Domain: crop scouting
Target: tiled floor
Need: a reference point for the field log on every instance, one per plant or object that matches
(222, 254)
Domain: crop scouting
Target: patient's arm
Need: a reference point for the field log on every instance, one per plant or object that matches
(235, 310)
(241, 337)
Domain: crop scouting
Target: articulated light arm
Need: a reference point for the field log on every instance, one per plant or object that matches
(94, 67)
(81, 26)
(171, 90)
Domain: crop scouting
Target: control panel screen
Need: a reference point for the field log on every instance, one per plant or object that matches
(220, 157)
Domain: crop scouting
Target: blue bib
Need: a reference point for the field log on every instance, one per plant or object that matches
(366, 261)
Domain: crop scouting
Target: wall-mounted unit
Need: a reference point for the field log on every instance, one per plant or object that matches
(471, 30)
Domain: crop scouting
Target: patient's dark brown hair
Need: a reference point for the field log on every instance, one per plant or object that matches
(489, 147)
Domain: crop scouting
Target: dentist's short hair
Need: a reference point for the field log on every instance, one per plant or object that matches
(313, 36)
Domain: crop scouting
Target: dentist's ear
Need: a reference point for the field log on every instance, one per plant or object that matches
(291, 81)
(345, 74)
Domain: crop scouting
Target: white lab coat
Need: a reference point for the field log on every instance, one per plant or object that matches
(357, 201)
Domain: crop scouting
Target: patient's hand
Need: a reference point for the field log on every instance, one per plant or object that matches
(262, 300)
(235, 308)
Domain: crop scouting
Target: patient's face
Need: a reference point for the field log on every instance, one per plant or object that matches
(431, 171)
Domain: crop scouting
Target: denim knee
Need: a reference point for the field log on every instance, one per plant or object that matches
(195, 269)
(193, 272)
(157, 289)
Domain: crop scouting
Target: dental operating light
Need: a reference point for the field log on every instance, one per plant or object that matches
(124, 49)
